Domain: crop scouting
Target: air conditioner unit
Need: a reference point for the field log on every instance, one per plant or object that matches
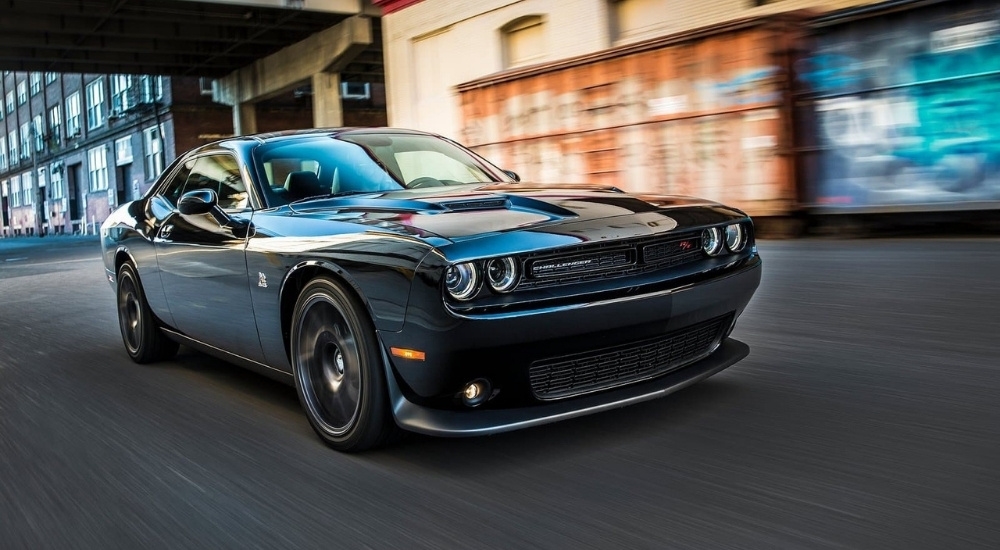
(355, 90)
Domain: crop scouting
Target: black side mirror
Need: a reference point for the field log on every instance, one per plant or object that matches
(513, 175)
(199, 201)
(204, 201)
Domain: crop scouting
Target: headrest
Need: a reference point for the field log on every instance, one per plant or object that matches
(303, 184)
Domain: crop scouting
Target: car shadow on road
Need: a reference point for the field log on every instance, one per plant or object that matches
(634, 425)
(628, 426)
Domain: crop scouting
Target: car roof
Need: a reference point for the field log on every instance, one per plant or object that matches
(248, 141)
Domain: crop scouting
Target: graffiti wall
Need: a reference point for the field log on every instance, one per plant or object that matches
(703, 117)
(903, 110)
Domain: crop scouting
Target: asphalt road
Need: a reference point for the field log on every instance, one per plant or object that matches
(867, 416)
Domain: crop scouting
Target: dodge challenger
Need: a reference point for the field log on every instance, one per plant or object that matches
(400, 281)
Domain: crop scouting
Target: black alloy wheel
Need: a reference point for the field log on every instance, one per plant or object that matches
(339, 372)
(144, 341)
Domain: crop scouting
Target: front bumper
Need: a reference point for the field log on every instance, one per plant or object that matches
(502, 347)
(457, 423)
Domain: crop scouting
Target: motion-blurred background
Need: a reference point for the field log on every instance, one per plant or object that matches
(794, 110)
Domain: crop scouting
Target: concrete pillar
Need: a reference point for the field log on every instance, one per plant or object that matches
(327, 109)
(244, 119)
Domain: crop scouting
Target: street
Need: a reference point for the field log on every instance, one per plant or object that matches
(867, 416)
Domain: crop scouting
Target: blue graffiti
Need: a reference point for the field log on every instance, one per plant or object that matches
(830, 73)
(949, 140)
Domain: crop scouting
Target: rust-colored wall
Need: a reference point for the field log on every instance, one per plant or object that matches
(705, 116)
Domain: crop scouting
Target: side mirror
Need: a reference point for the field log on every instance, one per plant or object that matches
(199, 201)
(513, 175)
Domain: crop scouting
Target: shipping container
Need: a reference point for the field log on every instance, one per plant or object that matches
(897, 108)
(705, 113)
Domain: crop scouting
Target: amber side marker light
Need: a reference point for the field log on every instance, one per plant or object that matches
(408, 353)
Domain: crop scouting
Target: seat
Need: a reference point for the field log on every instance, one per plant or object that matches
(303, 184)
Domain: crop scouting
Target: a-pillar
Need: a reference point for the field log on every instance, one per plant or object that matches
(244, 119)
(327, 109)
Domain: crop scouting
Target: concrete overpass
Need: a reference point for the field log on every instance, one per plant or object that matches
(255, 49)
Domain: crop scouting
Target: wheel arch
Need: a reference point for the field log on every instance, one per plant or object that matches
(299, 276)
(123, 255)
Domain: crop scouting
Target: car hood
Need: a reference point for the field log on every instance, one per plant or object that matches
(469, 212)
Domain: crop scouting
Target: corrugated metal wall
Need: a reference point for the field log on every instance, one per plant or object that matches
(703, 114)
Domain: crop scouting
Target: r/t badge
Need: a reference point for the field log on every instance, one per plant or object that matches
(261, 280)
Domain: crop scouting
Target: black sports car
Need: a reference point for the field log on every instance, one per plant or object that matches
(401, 281)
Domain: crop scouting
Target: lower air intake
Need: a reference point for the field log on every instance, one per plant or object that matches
(606, 368)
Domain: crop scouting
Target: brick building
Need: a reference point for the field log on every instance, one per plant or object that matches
(73, 147)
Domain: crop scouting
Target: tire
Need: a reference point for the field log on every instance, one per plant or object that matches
(339, 373)
(143, 339)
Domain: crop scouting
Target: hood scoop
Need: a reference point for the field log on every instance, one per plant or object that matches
(492, 203)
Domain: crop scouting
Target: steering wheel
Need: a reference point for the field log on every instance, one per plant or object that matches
(425, 182)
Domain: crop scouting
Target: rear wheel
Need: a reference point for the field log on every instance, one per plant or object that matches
(144, 341)
(339, 372)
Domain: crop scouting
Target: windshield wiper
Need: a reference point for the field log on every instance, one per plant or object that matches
(333, 195)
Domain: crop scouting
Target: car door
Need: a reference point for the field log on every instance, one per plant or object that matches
(202, 260)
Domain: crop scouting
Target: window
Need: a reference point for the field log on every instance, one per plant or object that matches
(55, 125)
(95, 104)
(38, 128)
(51, 77)
(3, 153)
(22, 92)
(636, 19)
(15, 191)
(26, 140)
(205, 85)
(524, 41)
(220, 173)
(10, 101)
(152, 143)
(12, 144)
(121, 85)
(73, 115)
(150, 88)
(97, 165)
(26, 189)
(123, 150)
(56, 190)
(173, 190)
(36, 82)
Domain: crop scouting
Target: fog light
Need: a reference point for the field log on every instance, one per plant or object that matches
(476, 392)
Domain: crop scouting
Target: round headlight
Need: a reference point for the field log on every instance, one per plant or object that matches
(711, 241)
(735, 237)
(461, 280)
(502, 274)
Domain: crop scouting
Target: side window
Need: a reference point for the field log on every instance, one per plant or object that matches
(221, 173)
(175, 188)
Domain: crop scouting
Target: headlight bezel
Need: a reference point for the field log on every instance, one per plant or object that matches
(469, 281)
(741, 237)
(713, 235)
(511, 278)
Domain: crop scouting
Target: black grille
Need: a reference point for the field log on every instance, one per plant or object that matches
(582, 263)
(616, 366)
(591, 262)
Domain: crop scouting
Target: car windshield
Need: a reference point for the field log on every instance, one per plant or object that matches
(364, 163)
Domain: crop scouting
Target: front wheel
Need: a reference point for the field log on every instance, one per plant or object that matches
(339, 373)
(144, 341)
